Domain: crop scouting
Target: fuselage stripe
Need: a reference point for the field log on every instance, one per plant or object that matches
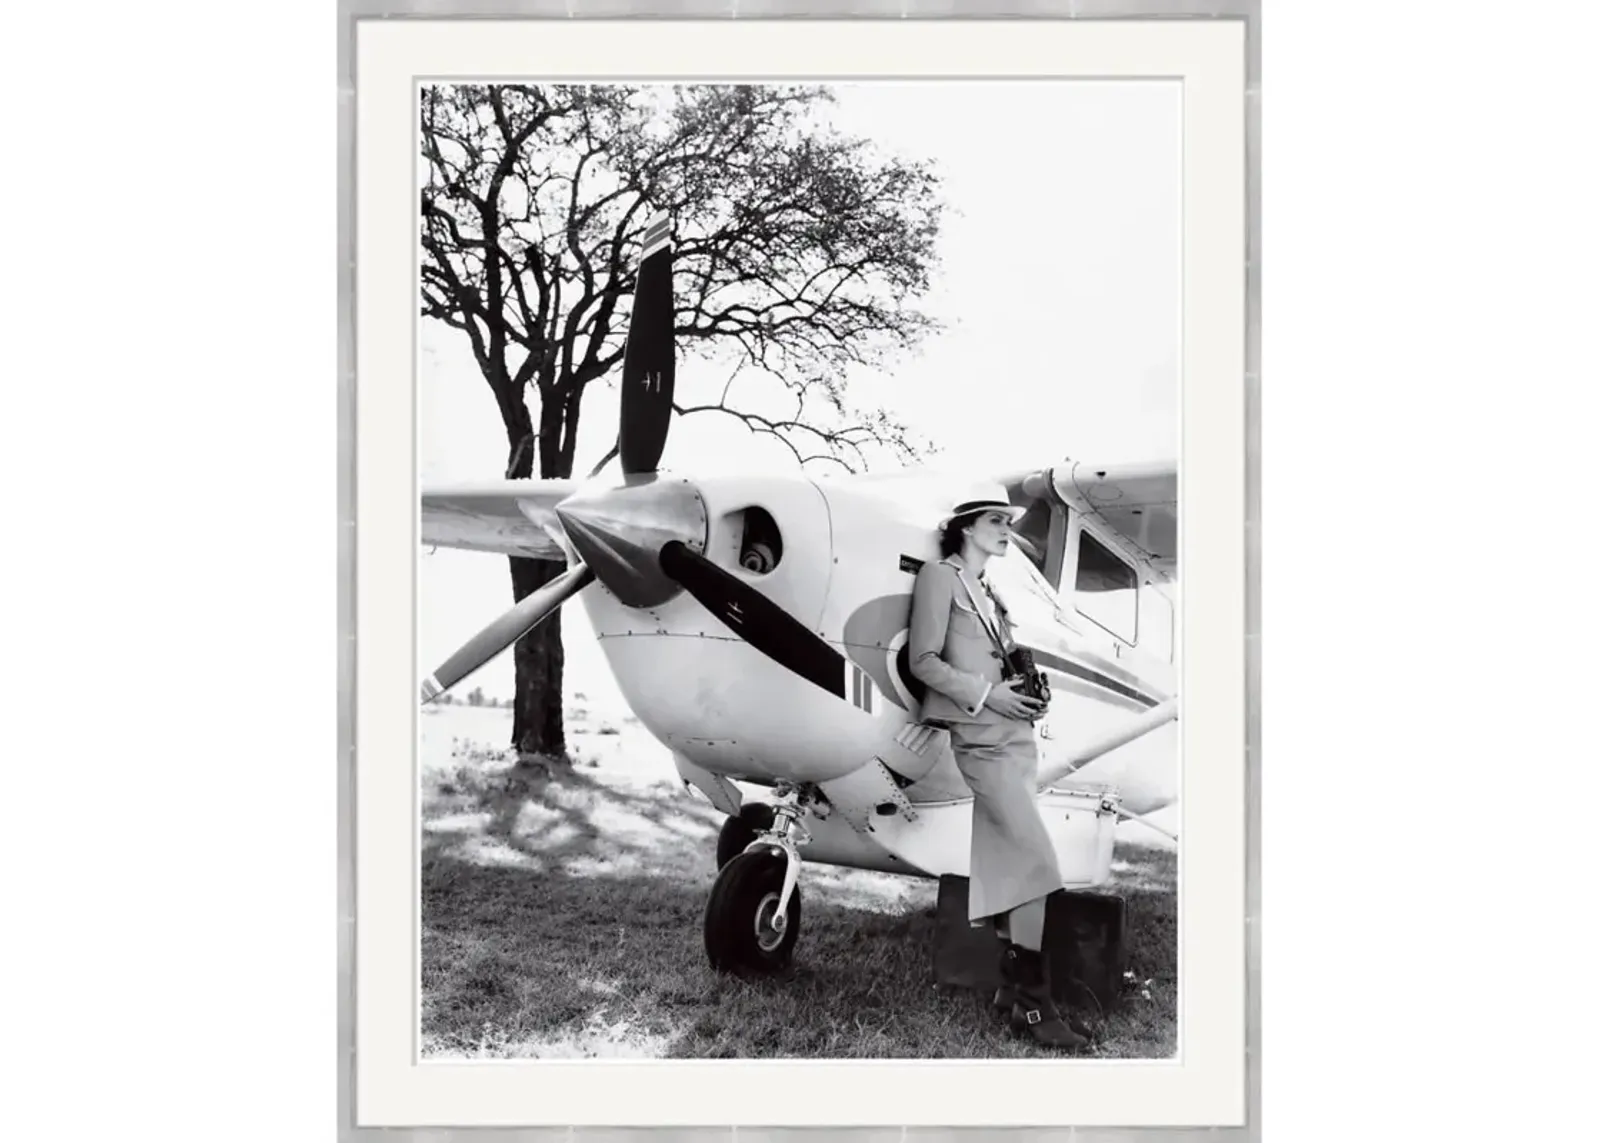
(1088, 674)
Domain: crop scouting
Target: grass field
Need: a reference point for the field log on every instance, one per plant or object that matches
(561, 917)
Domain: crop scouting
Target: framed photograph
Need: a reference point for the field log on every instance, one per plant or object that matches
(799, 569)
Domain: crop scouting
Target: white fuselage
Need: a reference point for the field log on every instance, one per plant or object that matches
(846, 571)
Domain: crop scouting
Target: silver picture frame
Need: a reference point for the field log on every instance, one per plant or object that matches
(351, 13)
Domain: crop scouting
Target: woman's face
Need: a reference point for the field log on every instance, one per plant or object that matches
(990, 533)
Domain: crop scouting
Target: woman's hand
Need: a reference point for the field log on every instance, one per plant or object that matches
(1006, 702)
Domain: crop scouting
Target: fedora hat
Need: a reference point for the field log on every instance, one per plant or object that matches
(980, 505)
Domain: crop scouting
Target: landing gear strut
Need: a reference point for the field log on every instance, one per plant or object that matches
(753, 916)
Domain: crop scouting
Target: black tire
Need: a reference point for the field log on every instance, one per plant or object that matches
(741, 829)
(746, 892)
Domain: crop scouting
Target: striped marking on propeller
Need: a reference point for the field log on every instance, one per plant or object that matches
(657, 235)
(860, 689)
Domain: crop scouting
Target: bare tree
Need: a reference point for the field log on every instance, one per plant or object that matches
(799, 254)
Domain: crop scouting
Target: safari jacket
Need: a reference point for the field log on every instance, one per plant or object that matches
(950, 652)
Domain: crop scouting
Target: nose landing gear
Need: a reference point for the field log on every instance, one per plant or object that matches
(753, 917)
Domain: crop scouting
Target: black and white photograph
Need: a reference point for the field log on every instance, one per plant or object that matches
(797, 659)
(798, 597)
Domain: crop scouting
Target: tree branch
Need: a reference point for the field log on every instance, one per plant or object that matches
(798, 250)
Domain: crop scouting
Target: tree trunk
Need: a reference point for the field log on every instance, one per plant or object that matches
(537, 725)
(538, 731)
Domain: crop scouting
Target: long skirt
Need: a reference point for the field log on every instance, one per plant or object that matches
(1013, 860)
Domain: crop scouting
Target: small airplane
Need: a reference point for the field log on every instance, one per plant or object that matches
(756, 625)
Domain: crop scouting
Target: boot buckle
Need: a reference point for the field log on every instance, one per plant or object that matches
(1032, 1016)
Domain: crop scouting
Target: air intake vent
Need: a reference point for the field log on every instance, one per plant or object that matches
(761, 544)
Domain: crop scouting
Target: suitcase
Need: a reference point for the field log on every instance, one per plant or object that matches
(966, 954)
(1084, 939)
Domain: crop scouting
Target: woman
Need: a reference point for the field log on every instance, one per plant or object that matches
(956, 622)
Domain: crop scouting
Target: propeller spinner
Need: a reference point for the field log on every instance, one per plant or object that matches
(621, 532)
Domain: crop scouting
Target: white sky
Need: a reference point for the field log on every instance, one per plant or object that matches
(1059, 287)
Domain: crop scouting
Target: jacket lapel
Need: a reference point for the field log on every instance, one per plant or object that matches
(983, 603)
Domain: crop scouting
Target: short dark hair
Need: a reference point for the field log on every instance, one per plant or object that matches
(951, 536)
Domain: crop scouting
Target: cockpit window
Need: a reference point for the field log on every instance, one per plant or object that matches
(1107, 588)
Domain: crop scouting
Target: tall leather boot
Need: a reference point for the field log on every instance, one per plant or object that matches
(1033, 1012)
(1005, 997)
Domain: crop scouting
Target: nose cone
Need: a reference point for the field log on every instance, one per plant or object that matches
(619, 534)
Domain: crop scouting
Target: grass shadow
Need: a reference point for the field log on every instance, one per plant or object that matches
(520, 962)
(560, 814)
(562, 914)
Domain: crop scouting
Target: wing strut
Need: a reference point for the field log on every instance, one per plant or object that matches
(1152, 719)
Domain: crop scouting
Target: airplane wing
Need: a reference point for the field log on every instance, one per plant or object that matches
(1137, 501)
(509, 517)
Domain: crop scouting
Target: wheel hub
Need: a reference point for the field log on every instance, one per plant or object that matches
(769, 923)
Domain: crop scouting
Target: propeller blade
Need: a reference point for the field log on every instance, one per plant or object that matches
(755, 618)
(506, 630)
(648, 364)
